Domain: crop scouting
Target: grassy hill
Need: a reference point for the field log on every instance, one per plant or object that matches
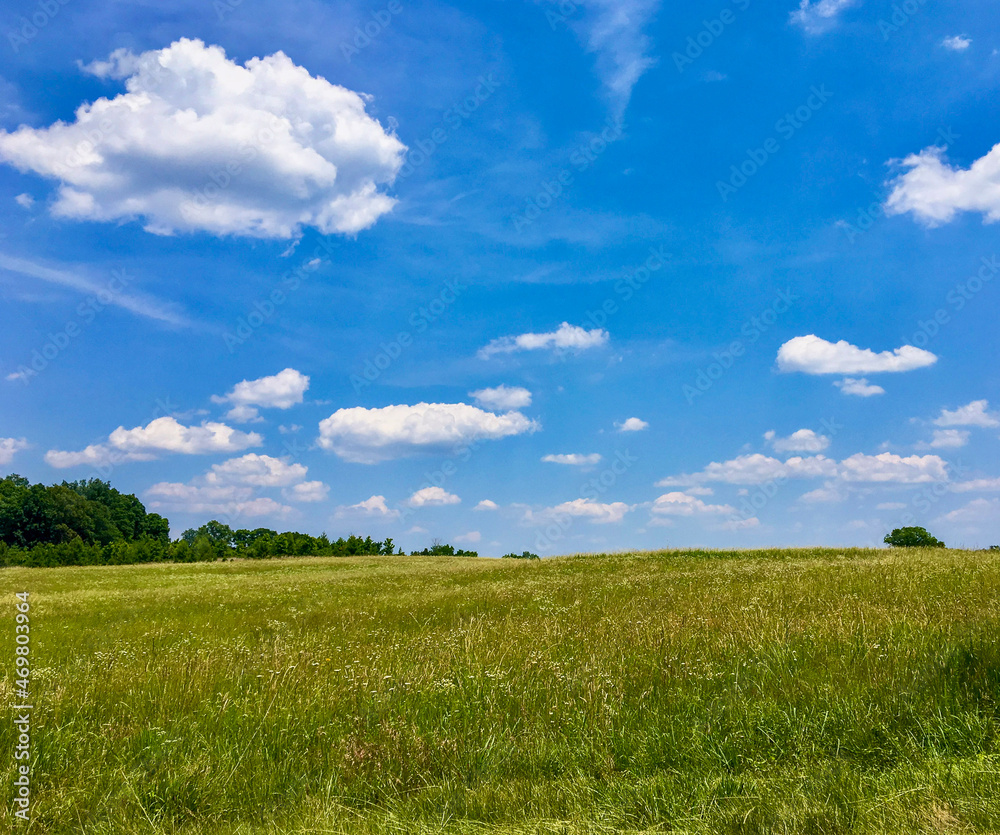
(796, 691)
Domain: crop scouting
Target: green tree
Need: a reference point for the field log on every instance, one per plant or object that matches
(912, 538)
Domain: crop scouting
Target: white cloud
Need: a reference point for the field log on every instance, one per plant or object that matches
(891, 506)
(804, 440)
(975, 413)
(820, 16)
(432, 497)
(756, 469)
(978, 510)
(256, 471)
(957, 43)
(935, 191)
(199, 142)
(25, 201)
(289, 430)
(307, 491)
(949, 439)
(367, 436)
(229, 500)
(372, 507)
(812, 355)
(858, 387)
(613, 30)
(976, 485)
(596, 512)
(565, 337)
(164, 434)
(829, 492)
(887, 467)
(682, 504)
(243, 414)
(279, 391)
(486, 504)
(573, 459)
(470, 538)
(633, 424)
(9, 447)
(502, 398)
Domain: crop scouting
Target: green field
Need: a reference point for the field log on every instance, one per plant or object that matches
(806, 691)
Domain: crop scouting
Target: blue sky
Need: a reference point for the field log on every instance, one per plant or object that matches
(521, 275)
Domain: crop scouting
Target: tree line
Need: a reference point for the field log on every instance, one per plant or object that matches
(91, 523)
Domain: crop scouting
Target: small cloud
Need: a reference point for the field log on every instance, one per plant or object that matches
(432, 497)
(308, 491)
(25, 201)
(373, 507)
(502, 398)
(858, 387)
(565, 337)
(243, 414)
(289, 430)
(9, 447)
(957, 43)
(975, 413)
(713, 76)
(804, 440)
(633, 424)
(949, 438)
(820, 16)
(280, 391)
(472, 537)
(812, 355)
(368, 436)
(573, 459)
(891, 506)
(486, 504)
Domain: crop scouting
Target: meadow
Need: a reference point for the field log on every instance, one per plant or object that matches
(791, 691)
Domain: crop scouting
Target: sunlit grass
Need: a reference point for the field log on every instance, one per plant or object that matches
(811, 691)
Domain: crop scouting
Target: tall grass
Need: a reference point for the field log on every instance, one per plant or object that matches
(805, 691)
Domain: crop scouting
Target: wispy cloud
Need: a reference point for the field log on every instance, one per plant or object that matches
(108, 292)
(818, 17)
(614, 31)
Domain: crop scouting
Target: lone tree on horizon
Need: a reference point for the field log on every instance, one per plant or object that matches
(912, 538)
